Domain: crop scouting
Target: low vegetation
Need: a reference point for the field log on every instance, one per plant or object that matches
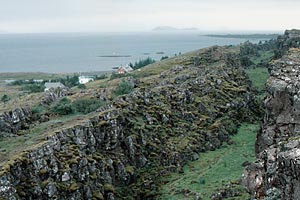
(124, 87)
(63, 107)
(85, 106)
(214, 169)
(33, 87)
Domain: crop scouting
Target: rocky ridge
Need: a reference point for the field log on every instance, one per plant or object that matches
(275, 174)
(118, 153)
(12, 121)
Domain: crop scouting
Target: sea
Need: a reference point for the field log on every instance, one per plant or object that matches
(85, 52)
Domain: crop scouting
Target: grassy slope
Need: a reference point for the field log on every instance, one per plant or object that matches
(214, 168)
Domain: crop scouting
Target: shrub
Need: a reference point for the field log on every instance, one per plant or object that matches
(100, 77)
(37, 109)
(5, 98)
(124, 87)
(87, 105)
(81, 86)
(164, 57)
(115, 75)
(33, 88)
(245, 61)
(63, 107)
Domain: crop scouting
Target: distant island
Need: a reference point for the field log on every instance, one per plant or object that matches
(246, 36)
(114, 56)
(170, 28)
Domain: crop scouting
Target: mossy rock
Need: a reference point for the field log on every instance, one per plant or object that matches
(93, 176)
(74, 186)
(102, 123)
(43, 171)
(109, 188)
(44, 183)
(97, 195)
(129, 169)
(62, 186)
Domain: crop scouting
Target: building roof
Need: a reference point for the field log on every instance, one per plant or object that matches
(127, 68)
(54, 84)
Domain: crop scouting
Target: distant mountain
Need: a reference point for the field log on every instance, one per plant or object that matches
(170, 28)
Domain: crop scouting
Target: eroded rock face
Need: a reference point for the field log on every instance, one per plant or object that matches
(119, 153)
(290, 39)
(53, 94)
(276, 173)
(13, 121)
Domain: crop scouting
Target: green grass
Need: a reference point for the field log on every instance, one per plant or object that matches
(263, 56)
(258, 76)
(214, 168)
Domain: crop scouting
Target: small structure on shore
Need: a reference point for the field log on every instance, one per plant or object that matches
(85, 79)
(124, 69)
(54, 85)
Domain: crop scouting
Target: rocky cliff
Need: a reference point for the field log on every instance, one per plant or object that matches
(13, 121)
(290, 39)
(276, 173)
(119, 152)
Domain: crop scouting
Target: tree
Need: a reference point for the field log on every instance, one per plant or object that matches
(143, 63)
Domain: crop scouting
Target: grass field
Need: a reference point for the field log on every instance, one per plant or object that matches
(214, 168)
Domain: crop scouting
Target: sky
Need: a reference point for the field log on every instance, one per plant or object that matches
(43, 16)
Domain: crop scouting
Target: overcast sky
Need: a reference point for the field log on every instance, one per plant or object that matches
(142, 15)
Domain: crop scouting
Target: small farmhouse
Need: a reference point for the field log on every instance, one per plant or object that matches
(124, 69)
(85, 79)
(54, 85)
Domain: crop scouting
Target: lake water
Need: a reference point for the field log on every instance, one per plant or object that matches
(58, 53)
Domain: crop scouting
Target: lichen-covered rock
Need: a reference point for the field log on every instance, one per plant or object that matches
(290, 39)
(275, 175)
(15, 120)
(53, 94)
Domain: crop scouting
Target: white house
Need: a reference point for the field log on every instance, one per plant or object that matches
(84, 79)
(54, 85)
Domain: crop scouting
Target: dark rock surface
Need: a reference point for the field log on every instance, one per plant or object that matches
(53, 94)
(290, 39)
(20, 118)
(15, 120)
(275, 175)
(120, 152)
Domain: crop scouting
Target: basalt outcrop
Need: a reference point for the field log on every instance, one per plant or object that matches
(53, 94)
(21, 118)
(290, 39)
(275, 174)
(119, 151)
(13, 121)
